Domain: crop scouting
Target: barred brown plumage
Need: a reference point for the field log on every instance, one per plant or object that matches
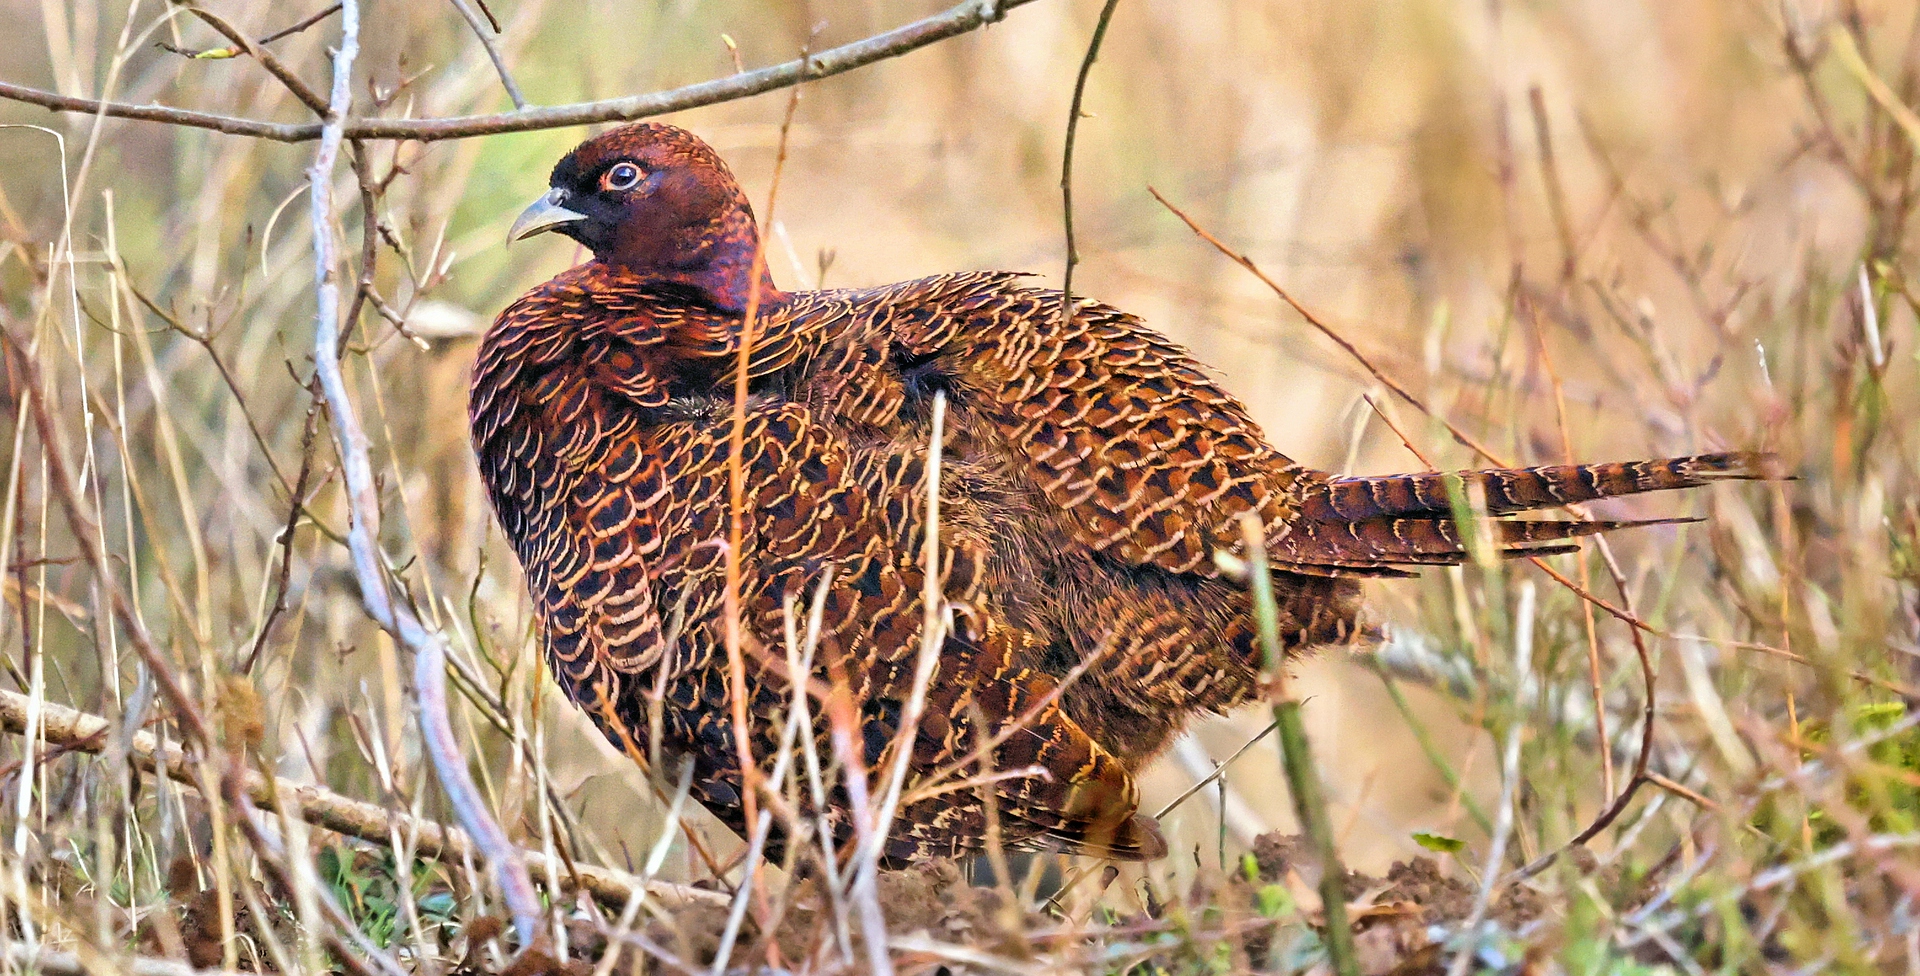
(1091, 468)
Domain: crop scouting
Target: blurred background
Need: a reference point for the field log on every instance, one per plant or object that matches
(1603, 229)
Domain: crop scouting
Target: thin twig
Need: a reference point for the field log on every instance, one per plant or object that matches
(1566, 447)
(205, 341)
(280, 34)
(1638, 778)
(737, 513)
(65, 488)
(299, 88)
(933, 637)
(955, 21)
(1405, 441)
(295, 505)
(493, 50)
(1325, 329)
(1066, 157)
(1219, 770)
(492, 21)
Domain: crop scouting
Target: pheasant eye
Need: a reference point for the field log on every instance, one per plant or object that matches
(622, 176)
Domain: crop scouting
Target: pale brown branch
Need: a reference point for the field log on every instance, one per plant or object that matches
(79, 731)
(363, 516)
(953, 22)
(51, 963)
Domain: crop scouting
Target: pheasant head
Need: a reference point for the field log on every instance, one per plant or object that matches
(659, 202)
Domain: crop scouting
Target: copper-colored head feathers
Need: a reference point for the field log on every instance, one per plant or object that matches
(658, 202)
(1090, 471)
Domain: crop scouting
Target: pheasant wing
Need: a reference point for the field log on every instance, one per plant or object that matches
(1144, 456)
(1150, 462)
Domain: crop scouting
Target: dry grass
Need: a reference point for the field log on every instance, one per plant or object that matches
(1594, 230)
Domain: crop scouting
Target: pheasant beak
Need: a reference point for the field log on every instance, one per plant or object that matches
(544, 215)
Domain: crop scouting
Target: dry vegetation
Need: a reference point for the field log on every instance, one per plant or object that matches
(1592, 230)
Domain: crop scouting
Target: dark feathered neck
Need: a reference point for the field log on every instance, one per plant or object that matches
(713, 260)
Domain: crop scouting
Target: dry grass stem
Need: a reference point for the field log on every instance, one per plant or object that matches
(238, 557)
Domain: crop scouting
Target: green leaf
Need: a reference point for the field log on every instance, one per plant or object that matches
(329, 864)
(1275, 901)
(1439, 843)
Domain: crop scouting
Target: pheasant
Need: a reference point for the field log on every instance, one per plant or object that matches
(1089, 471)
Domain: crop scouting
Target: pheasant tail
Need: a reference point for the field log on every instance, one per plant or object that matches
(1372, 525)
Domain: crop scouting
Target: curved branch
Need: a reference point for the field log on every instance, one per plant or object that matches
(953, 22)
(363, 516)
(1066, 157)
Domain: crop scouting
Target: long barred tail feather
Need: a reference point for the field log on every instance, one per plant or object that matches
(1369, 526)
(1514, 490)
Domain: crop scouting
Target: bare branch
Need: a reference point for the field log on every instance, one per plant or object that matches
(1066, 157)
(493, 50)
(50, 963)
(953, 22)
(363, 507)
(300, 89)
(65, 728)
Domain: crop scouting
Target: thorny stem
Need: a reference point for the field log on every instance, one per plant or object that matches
(363, 506)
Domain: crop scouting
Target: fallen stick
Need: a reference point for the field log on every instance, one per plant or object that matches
(52, 962)
(84, 732)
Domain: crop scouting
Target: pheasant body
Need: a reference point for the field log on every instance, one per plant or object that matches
(1089, 472)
